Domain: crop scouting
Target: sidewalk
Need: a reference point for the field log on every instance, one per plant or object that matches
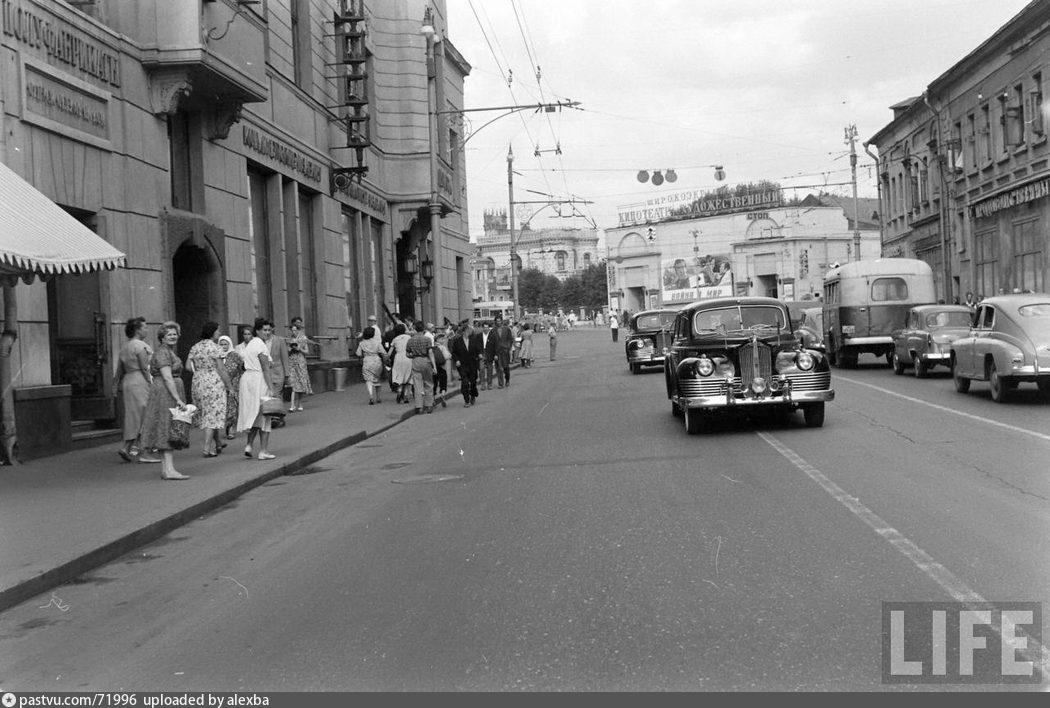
(63, 515)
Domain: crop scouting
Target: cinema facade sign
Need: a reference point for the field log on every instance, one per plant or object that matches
(712, 204)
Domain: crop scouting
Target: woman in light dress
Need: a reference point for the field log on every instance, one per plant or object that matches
(210, 384)
(298, 374)
(255, 385)
(373, 361)
(133, 380)
(525, 354)
(166, 392)
(401, 367)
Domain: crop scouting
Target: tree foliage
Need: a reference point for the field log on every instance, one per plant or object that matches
(587, 290)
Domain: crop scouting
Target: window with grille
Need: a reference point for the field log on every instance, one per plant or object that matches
(1028, 256)
(985, 258)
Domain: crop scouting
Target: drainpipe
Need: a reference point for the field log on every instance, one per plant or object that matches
(8, 434)
(944, 213)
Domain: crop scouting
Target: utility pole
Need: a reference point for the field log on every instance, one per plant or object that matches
(851, 138)
(510, 223)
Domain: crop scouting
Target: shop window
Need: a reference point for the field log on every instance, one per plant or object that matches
(308, 280)
(351, 252)
(985, 259)
(259, 245)
(1028, 256)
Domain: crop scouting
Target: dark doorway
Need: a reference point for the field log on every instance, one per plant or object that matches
(194, 280)
(79, 350)
(406, 288)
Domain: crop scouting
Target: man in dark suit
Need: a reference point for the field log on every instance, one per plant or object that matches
(504, 343)
(488, 348)
(466, 352)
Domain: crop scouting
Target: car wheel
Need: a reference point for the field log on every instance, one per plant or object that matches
(897, 364)
(675, 410)
(962, 384)
(889, 358)
(814, 414)
(634, 368)
(998, 385)
(921, 369)
(847, 360)
(1044, 386)
(692, 420)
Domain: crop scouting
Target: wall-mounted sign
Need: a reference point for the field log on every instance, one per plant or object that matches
(1018, 195)
(446, 189)
(65, 105)
(280, 153)
(695, 278)
(59, 43)
(364, 197)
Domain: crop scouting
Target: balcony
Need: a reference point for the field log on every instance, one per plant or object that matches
(204, 55)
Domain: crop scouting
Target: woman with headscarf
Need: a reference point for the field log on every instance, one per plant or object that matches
(373, 361)
(234, 365)
(133, 380)
(255, 386)
(166, 392)
(210, 384)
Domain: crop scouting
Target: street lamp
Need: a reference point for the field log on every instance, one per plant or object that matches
(429, 31)
(513, 243)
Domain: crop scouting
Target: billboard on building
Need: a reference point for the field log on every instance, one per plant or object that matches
(696, 278)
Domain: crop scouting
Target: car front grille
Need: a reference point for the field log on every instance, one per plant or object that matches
(696, 388)
(810, 380)
(753, 353)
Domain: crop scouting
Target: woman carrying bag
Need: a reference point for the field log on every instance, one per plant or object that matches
(255, 386)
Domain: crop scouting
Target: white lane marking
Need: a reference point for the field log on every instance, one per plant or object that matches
(948, 581)
(543, 409)
(946, 409)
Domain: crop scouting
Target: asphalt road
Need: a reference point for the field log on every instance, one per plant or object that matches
(567, 534)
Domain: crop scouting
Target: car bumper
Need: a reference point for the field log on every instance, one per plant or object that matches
(645, 359)
(936, 357)
(812, 388)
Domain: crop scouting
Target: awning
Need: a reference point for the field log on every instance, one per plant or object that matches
(38, 238)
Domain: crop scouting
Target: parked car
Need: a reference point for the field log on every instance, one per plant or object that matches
(740, 354)
(648, 334)
(1008, 343)
(926, 338)
(810, 330)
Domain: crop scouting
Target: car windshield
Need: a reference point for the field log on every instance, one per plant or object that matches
(660, 320)
(735, 319)
(948, 319)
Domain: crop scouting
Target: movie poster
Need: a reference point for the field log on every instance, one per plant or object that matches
(696, 278)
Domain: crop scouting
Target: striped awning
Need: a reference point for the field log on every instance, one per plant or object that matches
(39, 239)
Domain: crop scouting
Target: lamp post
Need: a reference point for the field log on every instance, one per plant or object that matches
(510, 222)
(430, 33)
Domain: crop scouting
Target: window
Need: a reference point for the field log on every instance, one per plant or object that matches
(1017, 132)
(300, 20)
(586, 260)
(259, 245)
(1004, 125)
(561, 261)
(889, 289)
(970, 158)
(985, 258)
(307, 268)
(984, 140)
(924, 184)
(1035, 105)
(181, 158)
(1028, 256)
(350, 268)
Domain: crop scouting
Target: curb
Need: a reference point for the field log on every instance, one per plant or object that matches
(16, 594)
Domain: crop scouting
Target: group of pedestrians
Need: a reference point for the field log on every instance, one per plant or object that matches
(231, 387)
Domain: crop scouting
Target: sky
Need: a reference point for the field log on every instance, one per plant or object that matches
(764, 88)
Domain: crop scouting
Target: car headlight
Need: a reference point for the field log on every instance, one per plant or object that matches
(804, 361)
(705, 367)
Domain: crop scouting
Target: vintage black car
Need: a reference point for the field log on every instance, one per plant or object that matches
(740, 354)
(648, 334)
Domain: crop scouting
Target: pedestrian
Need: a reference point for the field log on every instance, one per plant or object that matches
(552, 335)
(234, 365)
(373, 362)
(210, 385)
(614, 325)
(133, 380)
(515, 351)
(466, 353)
(256, 384)
(298, 373)
(970, 301)
(400, 365)
(443, 359)
(488, 347)
(166, 392)
(280, 369)
(421, 353)
(504, 344)
(526, 346)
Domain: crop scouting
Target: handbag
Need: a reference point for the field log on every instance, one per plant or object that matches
(272, 407)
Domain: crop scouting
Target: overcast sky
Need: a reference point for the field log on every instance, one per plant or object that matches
(764, 88)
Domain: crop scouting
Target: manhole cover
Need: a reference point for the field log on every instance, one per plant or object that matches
(428, 478)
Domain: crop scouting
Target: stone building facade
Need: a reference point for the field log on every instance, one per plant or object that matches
(273, 158)
(965, 168)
